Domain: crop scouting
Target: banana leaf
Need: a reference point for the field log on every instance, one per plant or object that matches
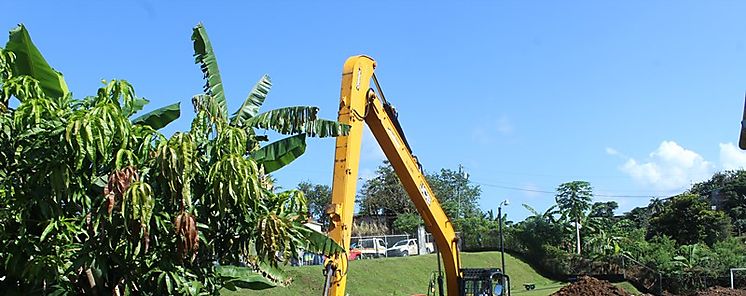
(280, 153)
(253, 102)
(160, 117)
(29, 61)
(137, 105)
(297, 120)
(205, 57)
(246, 278)
(320, 243)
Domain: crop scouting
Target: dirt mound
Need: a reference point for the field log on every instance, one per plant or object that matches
(588, 286)
(720, 291)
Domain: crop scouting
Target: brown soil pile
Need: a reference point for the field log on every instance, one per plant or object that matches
(588, 286)
(720, 291)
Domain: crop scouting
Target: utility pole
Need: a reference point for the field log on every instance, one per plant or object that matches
(502, 244)
(459, 200)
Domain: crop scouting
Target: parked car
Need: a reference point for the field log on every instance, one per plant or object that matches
(429, 248)
(403, 248)
(354, 253)
(371, 248)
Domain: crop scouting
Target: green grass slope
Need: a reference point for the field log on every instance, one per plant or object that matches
(405, 276)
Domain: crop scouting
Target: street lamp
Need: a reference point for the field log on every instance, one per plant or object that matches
(500, 218)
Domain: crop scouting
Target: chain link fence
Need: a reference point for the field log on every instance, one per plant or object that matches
(396, 245)
(375, 246)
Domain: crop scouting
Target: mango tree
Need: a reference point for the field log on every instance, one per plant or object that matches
(95, 200)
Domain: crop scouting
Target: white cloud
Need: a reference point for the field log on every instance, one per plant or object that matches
(732, 158)
(669, 167)
(611, 151)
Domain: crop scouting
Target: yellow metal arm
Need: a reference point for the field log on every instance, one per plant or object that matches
(359, 103)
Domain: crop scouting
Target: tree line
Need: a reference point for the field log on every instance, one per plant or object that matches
(383, 195)
(689, 238)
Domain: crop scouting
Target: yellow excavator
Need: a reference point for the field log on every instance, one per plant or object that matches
(359, 103)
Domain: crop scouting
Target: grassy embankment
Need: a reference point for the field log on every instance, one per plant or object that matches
(409, 275)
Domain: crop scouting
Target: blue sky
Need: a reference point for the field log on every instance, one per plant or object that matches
(640, 98)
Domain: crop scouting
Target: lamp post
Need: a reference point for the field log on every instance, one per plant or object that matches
(500, 218)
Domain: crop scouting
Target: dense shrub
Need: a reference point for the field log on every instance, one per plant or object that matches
(407, 223)
(689, 219)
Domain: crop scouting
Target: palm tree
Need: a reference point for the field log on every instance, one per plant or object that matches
(656, 205)
(574, 199)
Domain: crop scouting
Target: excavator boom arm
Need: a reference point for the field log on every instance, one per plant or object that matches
(358, 104)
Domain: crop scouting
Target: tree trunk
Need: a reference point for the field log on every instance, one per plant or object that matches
(577, 235)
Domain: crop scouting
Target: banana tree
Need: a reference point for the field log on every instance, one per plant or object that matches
(298, 121)
(603, 245)
(548, 215)
(694, 261)
(690, 258)
(231, 148)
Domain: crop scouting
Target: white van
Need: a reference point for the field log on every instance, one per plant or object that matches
(371, 248)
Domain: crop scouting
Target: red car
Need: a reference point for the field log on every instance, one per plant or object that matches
(354, 253)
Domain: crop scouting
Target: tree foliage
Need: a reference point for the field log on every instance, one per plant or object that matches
(685, 237)
(573, 200)
(727, 192)
(603, 209)
(384, 194)
(296, 121)
(536, 234)
(319, 197)
(688, 219)
(407, 223)
(456, 194)
(93, 202)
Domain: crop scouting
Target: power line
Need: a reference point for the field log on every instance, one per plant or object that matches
(530, 174)
(515, 188)
(553, 192)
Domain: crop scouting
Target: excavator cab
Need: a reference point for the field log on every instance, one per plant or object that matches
(483, 282)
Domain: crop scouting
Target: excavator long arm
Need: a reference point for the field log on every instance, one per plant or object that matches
(358, 104)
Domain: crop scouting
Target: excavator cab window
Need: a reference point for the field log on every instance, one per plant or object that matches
(498, 284)
(483, 282)
(498, 290)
